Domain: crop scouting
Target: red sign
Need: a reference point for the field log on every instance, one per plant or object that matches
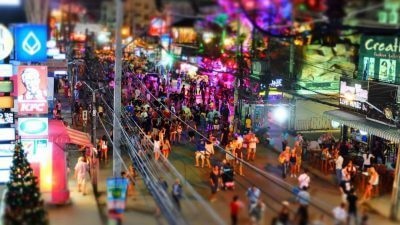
(32, 90)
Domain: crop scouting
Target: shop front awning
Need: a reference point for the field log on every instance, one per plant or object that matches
(60, 134)
(78, 137)
(361, 123)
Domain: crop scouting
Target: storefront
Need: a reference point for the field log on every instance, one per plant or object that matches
(369, 121)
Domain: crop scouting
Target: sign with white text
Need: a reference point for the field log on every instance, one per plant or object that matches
(6, 118)
(33, 126)
(30, 42)
(354, 95)
(379, 58)
(32, 90)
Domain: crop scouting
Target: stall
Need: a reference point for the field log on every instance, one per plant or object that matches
(57, 171)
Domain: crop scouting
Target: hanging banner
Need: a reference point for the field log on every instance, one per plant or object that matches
(116, 194)
(32, 90)
(30, 42)
(379, 58)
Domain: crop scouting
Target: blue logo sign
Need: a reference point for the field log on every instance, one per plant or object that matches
(30, 43)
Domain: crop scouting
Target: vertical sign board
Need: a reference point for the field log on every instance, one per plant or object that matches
(379, 58)
(30, 42)
(6, 42)
(32, 90)
(116, 194)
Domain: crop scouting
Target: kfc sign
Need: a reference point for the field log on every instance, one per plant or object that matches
(32, 90)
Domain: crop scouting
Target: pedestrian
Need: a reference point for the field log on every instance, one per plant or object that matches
(304, 179)
(303, 198)
(284, 158)
(214, 181)
(235, 207)
(253, 194)
(177, 193)
(372, 182)
(81, 172)
(352, 207)
(340, 214)
(156, 148)
(257, 213)
(253, 140)
(338, 167)
(283, 217)
(293, 163)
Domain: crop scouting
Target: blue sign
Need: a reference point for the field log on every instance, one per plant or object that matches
(116, 194)
(30, 43)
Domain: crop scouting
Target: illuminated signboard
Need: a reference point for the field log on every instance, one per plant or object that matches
(32, 90)
(33, 126)
(354, 95)
(6, 118)
(10, 2)
(30, 43)
(6, 86)
(6, 70)
(35, 149)
(7, 134)
(7, 149)
(379, 58)
(6, 42)
(6, 102)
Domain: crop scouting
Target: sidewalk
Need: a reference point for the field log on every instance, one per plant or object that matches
(81, 210)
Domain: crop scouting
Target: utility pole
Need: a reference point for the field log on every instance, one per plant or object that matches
(117, 163)
(394, 206)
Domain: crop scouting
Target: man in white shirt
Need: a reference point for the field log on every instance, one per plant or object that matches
(81, 169)
(338, 167)
(304, 180)
(340, 214)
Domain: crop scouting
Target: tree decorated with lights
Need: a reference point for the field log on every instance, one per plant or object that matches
(23, 203)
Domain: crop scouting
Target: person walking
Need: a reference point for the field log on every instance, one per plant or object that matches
(214, 181)
(235, 207)
(81, 172)
(304, 179)
(253, 195)
(338, 167)
(253, 140)
(177, 193)
(340, 214)
(257, 213)
(284, 159)
(303, 198)
(352, 217)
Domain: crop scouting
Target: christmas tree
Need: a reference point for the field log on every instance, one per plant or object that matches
(23, 204)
